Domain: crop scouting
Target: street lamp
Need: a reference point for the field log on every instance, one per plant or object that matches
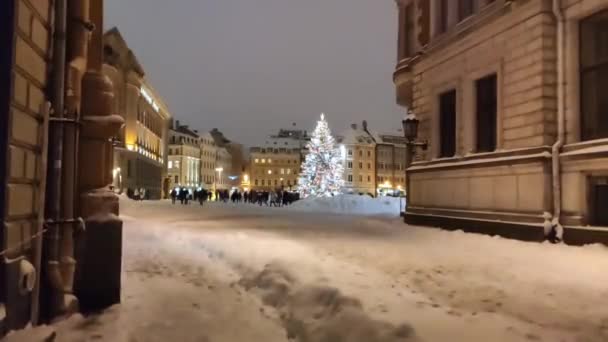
(410, 132)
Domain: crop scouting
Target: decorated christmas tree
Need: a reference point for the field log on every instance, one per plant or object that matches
(322, 170)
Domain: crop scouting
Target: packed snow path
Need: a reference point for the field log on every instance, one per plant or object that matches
(227, 273)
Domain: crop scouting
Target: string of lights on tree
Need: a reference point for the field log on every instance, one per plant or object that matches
(322, 170)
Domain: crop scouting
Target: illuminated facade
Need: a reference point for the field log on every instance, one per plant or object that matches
(208, 160)
(276, 165)
(359, 157)
(140, 156)
(390, 164)
(184, 161)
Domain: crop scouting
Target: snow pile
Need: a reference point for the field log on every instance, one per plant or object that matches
(352, 204)
(320, 313)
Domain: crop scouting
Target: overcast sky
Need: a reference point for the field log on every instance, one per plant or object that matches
(250, 67)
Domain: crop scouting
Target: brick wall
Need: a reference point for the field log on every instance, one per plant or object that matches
(29, 77)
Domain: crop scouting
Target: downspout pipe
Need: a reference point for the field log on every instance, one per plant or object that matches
(556, 228)
(56, 155)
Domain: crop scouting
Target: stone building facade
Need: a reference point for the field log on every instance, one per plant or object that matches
(274, 168)
(25, 36)
(359, 157)
(184, 162)
(223, 164)
(509, 97)
(390, 164)
(276, 164)
(56, 164)
(208, 160)
(140, 156)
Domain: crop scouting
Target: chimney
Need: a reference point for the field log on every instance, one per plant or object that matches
(364, 125)
(353, 126)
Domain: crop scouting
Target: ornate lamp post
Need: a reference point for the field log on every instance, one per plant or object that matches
(410, 132)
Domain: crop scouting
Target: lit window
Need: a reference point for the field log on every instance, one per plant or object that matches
(170, 164)
(263, 161)
(269, 172)
(269, 161)
(282, 171)
(257, 160)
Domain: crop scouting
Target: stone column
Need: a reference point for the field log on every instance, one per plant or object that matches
(99, 275)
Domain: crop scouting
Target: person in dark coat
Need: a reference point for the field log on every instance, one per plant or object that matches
(173, 195)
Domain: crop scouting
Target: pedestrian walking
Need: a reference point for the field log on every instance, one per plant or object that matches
(173, 195)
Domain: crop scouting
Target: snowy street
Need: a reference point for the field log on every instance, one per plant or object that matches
(245, 273)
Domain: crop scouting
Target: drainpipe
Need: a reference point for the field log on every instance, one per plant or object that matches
(37, 243)
(78, 33)
(56, 155)
(558, 230)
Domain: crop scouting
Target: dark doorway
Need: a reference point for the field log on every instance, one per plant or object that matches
(486, 104)
(600, 203)
(447, 123)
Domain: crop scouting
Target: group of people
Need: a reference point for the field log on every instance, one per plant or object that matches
(276, 198)
(200, 195)
(137, 194)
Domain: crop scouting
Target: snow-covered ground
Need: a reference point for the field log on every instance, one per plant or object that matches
(245, 273)
(352, 204)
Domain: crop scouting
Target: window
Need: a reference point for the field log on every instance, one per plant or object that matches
(256, 182)
(465, 9)
(369, 166)
(263, 161)
(369, 153)
(360, 178)
(288, 171)
(350, 178)
(599, 201)
(282, 171)
(369, 179)
(442, 16)
(360, 153)
(594, 76)
(263, 182)
(350, 152)
(177, 164)
(349, 165)
(447, 124)
(176, 179)
(486, 113)
(360, 165)
(170, 165)
(257, 160)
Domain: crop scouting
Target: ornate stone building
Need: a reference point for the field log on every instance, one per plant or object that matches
(140, 156)
(510, 97)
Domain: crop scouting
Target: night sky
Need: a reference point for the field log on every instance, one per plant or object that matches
(249, 67)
